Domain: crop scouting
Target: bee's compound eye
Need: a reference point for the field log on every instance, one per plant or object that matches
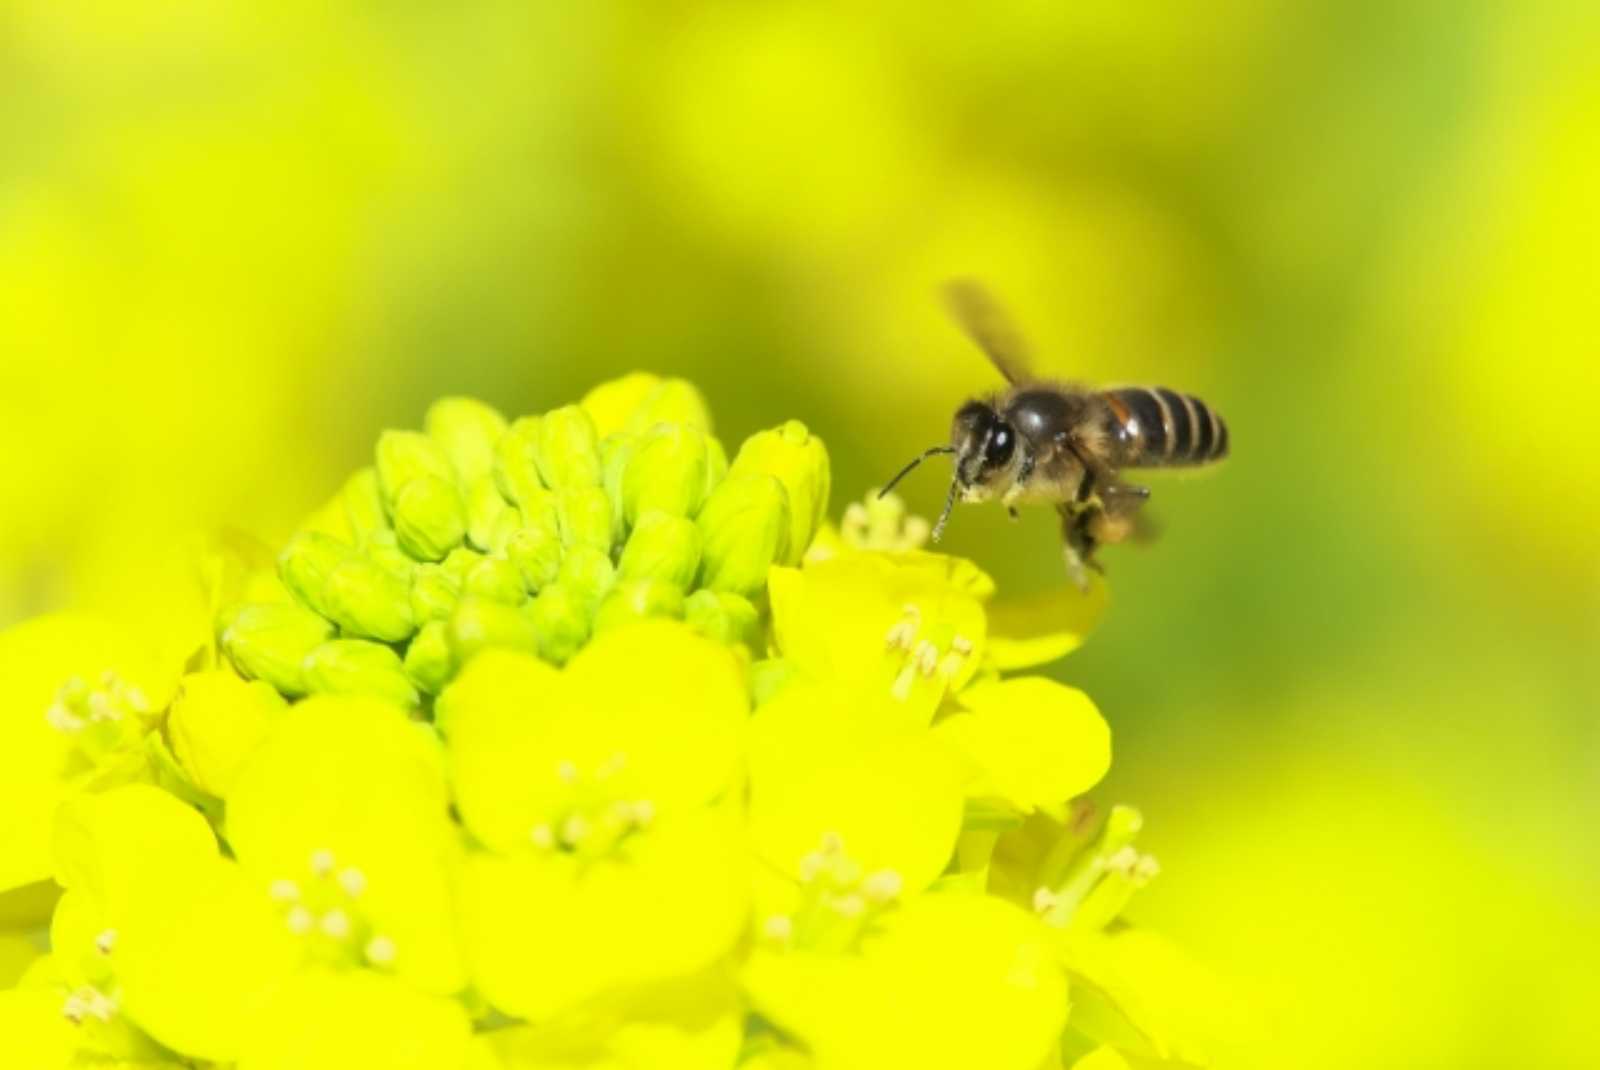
(1001, 444)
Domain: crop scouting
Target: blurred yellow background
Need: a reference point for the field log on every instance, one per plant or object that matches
(1354, 686)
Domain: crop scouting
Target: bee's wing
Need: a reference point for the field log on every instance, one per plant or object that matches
(987, 324)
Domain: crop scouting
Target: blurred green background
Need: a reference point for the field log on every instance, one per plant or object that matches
(1354, 685)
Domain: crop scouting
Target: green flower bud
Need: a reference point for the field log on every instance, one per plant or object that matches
(744, 529)
(485, 507)
(363, 504)
(725, 617)
(270, 641)
(407, 455)
(359, 667)
(435, 590)
(536, 551)
(568, 449)
(667, 472)
(498, 579)
(616, 450)
(588, 574)
(460, 561)
(800, 461)
(585, 517)
(716, 465)
(637, 600)
(305, 564)
(562, 622)
(430, 662)
(516, 465)
(429, 518)
(382, 548)
(481, 623)
(641, 400)
(215, 721)
(662, 546)
(369, 602)
(507, 524)
(466, 430)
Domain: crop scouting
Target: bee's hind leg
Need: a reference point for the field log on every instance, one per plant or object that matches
(1078, 542)
(1118, 516)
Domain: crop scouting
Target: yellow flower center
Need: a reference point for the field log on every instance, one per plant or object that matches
(326, 911)
(922, 652)
(596, 819)
(839, 900)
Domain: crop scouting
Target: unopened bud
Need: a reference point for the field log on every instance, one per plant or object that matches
(466, 430)
(434, 593)
(481, 623)
(638, 600)
(667, 471)
(568, 449)
(215, 722)
(407, 455)
(587, 574)
(616, 450)
(744, 530)
(485, 507)
(562, 622)
(719, 615)
(382, 548)
(799, 460)
(536, 552)
(661, 546)
(498, 579)
(429, 519)
(359, 667)
(585, 517)
(516, 465)
(270, 641)
(305, 564)
(429, 659)
(363, 504)
(367, 601)
(460, 561)
(640, 400)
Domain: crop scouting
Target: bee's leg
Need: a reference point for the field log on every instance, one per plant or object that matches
(1078, 542)
(1118, 517)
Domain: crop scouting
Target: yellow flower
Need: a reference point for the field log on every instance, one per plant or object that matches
(602, 797)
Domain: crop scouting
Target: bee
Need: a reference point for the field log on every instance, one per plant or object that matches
(1045, 442)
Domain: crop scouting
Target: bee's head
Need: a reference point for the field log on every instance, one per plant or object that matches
(984, 444)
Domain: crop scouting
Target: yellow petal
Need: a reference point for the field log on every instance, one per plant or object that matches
(36, 760)
(894, 799)
(948, 981)
(547, 932)
(113, 844)
(36, 1034)
(321, 1020)
(1034, 630)
(1102, 1059)
(1031, 741)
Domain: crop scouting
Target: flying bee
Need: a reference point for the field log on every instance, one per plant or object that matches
(1063, 444)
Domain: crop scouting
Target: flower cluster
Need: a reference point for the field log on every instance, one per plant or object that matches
(568, 743)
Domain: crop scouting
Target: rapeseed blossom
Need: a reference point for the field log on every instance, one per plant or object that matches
(573, 742)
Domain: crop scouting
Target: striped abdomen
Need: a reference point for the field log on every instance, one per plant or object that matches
(1156, 426)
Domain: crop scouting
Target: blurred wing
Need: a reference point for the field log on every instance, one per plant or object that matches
(987, 324)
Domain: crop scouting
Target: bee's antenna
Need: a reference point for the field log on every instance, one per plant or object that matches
(923, 456)
(949, 504)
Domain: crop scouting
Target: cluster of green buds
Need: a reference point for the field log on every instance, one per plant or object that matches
(567, 743)
(535, 534)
